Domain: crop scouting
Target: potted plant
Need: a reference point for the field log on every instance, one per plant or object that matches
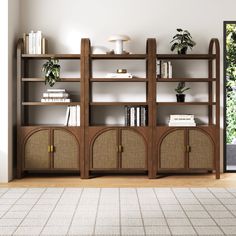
(51, 70)
(180, 91)
(182, 41)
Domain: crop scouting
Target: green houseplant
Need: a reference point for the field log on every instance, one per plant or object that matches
(182, 41)
(180, 89)
(51, 70)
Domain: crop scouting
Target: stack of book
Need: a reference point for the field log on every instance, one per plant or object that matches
(56, 95)
(164, 69)
(182, 120)
(72, 116)
(135, 115)
(34, 43)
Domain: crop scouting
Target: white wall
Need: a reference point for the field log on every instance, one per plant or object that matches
(9, 20)
(65, 22)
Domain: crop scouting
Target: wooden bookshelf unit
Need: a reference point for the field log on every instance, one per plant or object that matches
(94, 148)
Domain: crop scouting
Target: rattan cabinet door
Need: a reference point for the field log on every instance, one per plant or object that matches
(201, 154)
(134, 150)
(104, 150)
(36, 155)
(66, 150)
(172, 150)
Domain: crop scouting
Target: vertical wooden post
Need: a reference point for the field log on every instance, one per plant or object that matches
(151, 98)
(85, 77)
(215, 43)
(19, 107)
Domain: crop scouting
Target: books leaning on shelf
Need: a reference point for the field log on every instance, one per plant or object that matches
(135, 115)
(72, 116)
(34, 43)
(164, 69)
(56, 95)
(182, 120)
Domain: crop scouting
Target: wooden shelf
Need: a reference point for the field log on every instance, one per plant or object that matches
(197, 126)
(42, 80)
(48, 56)
(186, 57)
(50, 103)
(185, 80)
(184, 103)
(118, 80)
(49, 125)
(116, 125)
(118, 103)
(118, 56)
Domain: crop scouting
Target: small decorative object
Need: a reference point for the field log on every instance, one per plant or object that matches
(118, 39)
(51, 70)
(121, 71)
(180, 92)
(182, 41)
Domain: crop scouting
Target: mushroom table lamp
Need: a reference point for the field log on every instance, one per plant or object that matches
(118, 39)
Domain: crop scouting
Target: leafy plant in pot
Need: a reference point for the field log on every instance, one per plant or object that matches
(180, 92)
(51, 70)
(182, 41)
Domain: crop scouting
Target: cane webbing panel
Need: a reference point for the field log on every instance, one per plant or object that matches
(66, 153)
(134, 150)
(104, 151)
(172, 150)
(36, 154)
(202, 150)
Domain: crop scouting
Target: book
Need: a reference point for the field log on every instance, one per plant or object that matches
(164, 69)
(38, 42)
(132, 116)
(31, 42)
(119, 75)
(182, 124)
(143, 116)
(55, 100)
(181, 117)
(78, 115)
(44, 46)
(127, 115)
(55, 95)
(67, 116)
(137, 116)
(56, 90)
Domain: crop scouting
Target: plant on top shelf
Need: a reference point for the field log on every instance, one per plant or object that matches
(180, 92)
(182, 41)
(51, 70)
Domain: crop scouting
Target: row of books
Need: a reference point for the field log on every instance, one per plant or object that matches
(182, 120)
(72, 116)
(164, 69)
(136, 115)
(34, 43)
(56, 95)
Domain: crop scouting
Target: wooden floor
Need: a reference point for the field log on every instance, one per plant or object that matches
(206, 180)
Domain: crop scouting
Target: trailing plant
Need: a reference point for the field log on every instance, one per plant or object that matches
(51, 70)
(230, 83)
(181, 88)
(182, 41)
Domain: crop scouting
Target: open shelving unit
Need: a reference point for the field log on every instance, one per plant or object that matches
(95, 147)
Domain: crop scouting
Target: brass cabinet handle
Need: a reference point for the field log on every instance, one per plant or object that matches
(188, 148)
(52, 148)
(119, 148)
(49, 148)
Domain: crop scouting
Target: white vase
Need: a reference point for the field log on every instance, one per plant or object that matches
(119, 47)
